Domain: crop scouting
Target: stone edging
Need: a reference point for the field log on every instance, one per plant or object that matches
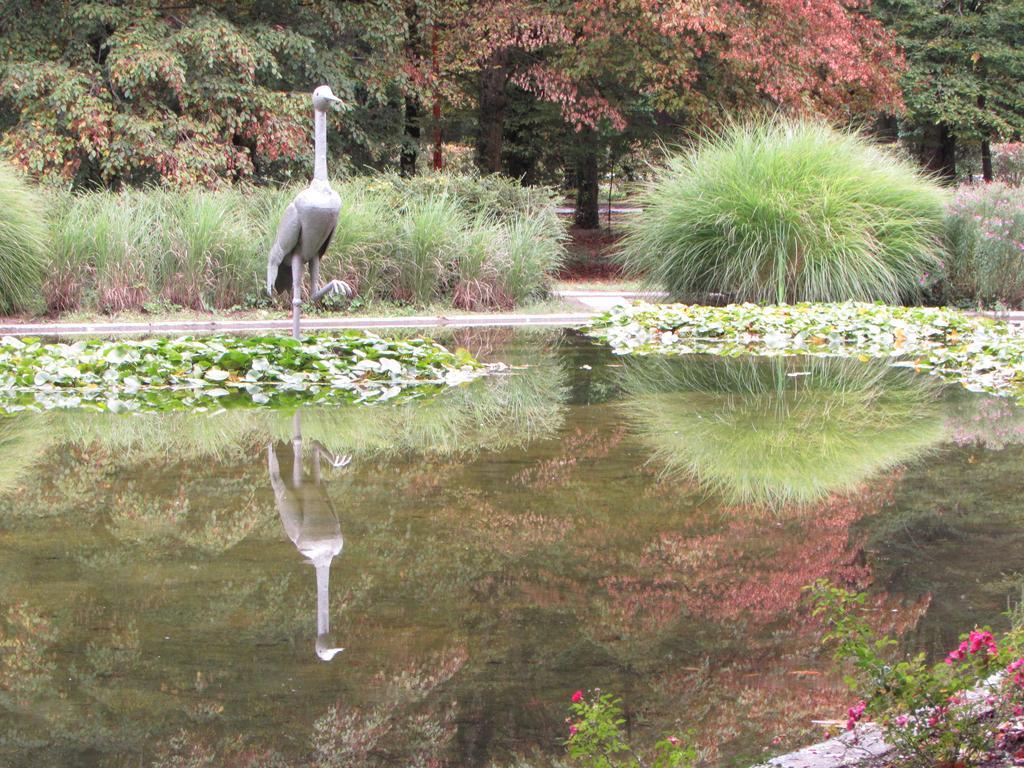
(308, 324)
(861, 746)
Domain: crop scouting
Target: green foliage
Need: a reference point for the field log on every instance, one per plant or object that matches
(785, 210)
(985, 263)
(597, 739)
(933, 714)
(24, 243)
(1008, 162)
(106, 251)
(965, 67)
(427, 245)
(111, 94)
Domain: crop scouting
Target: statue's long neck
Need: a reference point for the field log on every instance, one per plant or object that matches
(319, 145)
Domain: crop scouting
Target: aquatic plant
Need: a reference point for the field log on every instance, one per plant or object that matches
(222, 371)
(786, 210)
(981, 354)
(24, 241)
(985, 262)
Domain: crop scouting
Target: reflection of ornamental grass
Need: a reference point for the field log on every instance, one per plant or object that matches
(491, 414)
(781, 429)
(23, 439)
(221, 436)
(787, 210)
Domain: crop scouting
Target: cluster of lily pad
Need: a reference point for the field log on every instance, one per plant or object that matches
(214, 372)
(980, 353)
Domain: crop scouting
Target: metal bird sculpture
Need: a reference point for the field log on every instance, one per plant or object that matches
(308, 223)
(310, 522)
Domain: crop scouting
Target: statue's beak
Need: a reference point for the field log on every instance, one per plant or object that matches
(335, 100)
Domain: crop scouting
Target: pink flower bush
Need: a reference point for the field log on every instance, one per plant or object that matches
(577, 697)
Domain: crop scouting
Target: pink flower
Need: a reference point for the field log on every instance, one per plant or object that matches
(572, 730)
(673, 741)
(577, 697)
(979, 640)
(902, 720)
(854, 714)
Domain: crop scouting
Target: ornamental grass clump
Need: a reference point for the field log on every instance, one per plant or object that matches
(985, 263)
(24, 242)
(786, 211)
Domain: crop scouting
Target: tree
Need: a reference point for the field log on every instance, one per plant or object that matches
(964, 86)
(618, 71)
(107, 93)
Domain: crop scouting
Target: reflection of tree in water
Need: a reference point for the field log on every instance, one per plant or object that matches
(778, 430)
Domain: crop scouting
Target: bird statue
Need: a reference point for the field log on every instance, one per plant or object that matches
(310, 522)
(308, 223)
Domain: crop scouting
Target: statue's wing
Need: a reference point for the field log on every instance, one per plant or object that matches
(327, 241)
(288, 233)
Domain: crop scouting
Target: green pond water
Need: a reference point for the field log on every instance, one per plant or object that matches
(640, 525)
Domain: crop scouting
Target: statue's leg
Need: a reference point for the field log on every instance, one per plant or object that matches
(335, 286)
(314, 277)
(316, 464)
(296, 294)
(297, 449)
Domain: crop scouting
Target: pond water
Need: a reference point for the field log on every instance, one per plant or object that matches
(175, 590)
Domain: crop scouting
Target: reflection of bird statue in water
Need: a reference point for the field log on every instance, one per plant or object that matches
(308, 223)
(310, 523)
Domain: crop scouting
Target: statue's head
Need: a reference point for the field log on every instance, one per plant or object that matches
(324, 98)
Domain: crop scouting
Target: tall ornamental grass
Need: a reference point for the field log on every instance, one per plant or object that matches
(784, 211)
(477, 243)
(985, 263)
(24, 242)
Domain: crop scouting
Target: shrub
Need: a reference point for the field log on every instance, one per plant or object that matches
(944, 714)
(786, 211)
(597, 738)
(985, 262)
(24, 242)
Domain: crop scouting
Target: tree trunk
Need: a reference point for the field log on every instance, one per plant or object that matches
(438, 156)
(986, 160)
(411, 138)
(491, 115)
(587, 184)
(938, 151)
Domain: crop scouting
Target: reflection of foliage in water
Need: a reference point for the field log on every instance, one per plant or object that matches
(780, 430)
